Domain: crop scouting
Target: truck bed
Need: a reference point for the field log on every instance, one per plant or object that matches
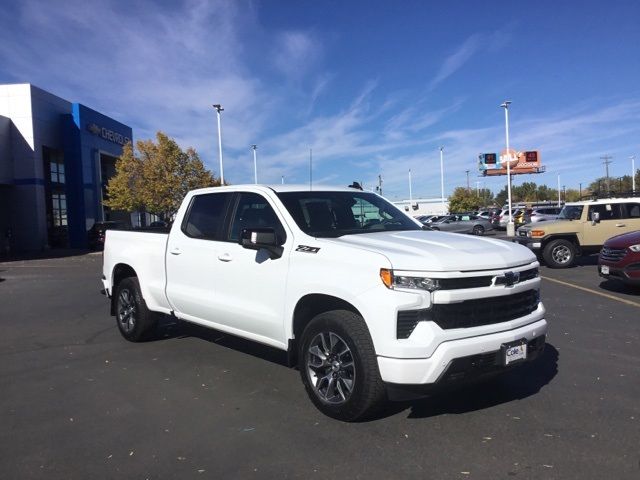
(144, 251)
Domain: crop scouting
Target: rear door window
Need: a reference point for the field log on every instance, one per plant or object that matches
(205, 217)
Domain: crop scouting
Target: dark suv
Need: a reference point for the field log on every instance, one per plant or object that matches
(620, 258)
(96, 233)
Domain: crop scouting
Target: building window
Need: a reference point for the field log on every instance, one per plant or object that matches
(59, 209)
(57, 172)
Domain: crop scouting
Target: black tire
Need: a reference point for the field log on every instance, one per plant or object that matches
(135, 321)
(559, 253)
(478, 230)
(367, 392)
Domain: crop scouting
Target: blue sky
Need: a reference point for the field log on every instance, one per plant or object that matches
(374, 87)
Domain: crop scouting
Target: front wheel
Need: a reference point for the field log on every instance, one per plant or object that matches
(135, 321)
(339, 367)
(559, 253)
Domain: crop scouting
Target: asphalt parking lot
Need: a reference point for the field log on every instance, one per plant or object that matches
(80, 402)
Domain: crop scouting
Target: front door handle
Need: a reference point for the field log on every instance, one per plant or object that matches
(175, 251)
(620, 225)
(225, 257)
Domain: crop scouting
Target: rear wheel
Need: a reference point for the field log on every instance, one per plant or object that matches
(339, 368)
(478, 230)
(135, 321)
(559, 253)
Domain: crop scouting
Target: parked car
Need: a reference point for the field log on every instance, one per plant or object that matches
(462, 224)
(97, 231)
(504, 217)
(620, 258)
(369, 307)
(581, 228)
(542, 214)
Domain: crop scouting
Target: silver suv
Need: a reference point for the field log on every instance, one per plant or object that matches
(541, 214)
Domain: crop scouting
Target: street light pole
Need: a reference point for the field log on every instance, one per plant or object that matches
(510, 226)
(558, 190)
(633, 173)
(255, 164)
(219, 109)
(410, 191)
(442, 179)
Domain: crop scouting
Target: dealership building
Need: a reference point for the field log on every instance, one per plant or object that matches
(55, 159)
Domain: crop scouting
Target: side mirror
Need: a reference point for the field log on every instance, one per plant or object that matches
(595, 218)
(258, 238)
(427, 227)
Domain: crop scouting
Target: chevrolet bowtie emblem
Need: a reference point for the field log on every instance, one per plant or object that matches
(511, 278)
(93, 128)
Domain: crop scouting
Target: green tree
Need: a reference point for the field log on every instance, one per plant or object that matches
(463, 200)
(157, 178)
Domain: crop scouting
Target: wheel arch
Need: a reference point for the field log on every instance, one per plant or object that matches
(571, 237)
(306, 309)
(120, 272)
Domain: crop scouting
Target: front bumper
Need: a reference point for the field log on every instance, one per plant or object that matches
(629, 274)
(531, 244)
(424, 371)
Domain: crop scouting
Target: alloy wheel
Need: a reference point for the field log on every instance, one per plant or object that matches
(126, 310)
(330, 368)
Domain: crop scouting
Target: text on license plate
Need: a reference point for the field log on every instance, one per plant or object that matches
(604, 269)
(515, 352)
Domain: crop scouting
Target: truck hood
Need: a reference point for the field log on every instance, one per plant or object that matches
(440, 251)
(561, 225)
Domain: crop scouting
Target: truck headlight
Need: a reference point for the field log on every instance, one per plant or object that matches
(408, 282)
(635, 248)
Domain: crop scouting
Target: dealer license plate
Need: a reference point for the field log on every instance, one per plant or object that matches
(604, 269)
(514, 352)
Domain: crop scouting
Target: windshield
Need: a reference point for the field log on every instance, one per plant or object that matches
(571, 212)
(333, 214)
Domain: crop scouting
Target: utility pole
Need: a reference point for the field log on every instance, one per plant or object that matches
(478, 182)
(255, 164)
(410, 191)
(468, 190)
(219, 109)
(606, 162)
(633, 173)
(379, 188)
(559, 190)
(580, 190)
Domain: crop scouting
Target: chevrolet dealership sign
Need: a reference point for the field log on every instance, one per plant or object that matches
(107, 134)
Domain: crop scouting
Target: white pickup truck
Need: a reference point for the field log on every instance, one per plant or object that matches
(368, 304)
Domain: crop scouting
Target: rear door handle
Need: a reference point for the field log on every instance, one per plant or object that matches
(175, 251)
(620, 225)
(225, 257)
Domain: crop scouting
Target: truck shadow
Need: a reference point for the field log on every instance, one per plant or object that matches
(170, 328)
(516, 384)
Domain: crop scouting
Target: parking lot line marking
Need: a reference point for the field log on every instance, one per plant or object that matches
(602, 294)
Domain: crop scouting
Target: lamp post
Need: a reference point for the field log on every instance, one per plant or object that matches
(255, 164)
(410, 191)
(633, 173)
(442, 179)
(219, 109)
(558, 190)
(510, 226)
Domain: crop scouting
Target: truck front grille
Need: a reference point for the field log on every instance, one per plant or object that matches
(470, 313)
(612, 254)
